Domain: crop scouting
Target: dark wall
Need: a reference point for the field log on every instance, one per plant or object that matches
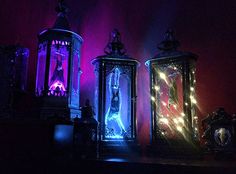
(206, 28)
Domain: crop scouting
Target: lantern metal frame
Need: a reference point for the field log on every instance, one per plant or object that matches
(184, 63)
(104, 65)
(59, 103)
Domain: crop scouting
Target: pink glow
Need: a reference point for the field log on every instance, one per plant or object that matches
(57, 85)
(95, 33)
(142, 26)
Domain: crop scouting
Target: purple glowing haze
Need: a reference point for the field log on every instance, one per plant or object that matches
(205, 28)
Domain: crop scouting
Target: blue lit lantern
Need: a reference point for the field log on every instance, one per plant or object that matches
(115, 94)
(58, 69)
(172, 93)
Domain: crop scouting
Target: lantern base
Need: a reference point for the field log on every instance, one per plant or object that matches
(59, 113)
(175, 149)
(119, 148)
(51, 107)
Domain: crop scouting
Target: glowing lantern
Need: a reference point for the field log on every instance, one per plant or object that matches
(172, 94)
(116, 93)
(58, 69)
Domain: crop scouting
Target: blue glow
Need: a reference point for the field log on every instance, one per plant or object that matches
(116, 160)
(63, 134)
(113, 114)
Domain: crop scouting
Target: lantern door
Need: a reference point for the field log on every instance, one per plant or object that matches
(58, 68)
(118, 111)
(167, 100)
(75, 79)
(173, 100)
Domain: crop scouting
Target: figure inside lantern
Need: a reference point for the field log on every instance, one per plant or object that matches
(58, 70)
(115, 94)
(169, 92)
(115, 115)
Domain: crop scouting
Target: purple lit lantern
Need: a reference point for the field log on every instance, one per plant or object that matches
(174, 122)
(115, 94)
(58, 69)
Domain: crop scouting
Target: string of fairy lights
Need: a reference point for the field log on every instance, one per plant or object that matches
(171, 115)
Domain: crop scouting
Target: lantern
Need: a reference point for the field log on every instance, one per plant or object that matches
(172, 95)
(13, 79)
(115, 94)
(58, 69)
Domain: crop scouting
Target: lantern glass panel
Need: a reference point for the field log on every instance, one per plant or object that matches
(117, 105)
(193, 103)
(96, 98)
(169, 102)
(41, 65)
(58, 70)
(75, 81)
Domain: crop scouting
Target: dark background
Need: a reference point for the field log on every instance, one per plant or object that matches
(207, 28)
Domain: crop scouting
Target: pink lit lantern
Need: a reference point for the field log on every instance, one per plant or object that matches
(58, 69)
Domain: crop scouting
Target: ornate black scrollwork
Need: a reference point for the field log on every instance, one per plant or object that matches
(218, 131)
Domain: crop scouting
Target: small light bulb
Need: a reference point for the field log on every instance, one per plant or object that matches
(152, 98)
(175, 121)
(157, 88)
(175, 106)
(186, 104)
(180, 129)
(164, 120)
(182, 114)
(181, 120)
(192, 89)
(193, 100)
(162, 75)
(164, 103)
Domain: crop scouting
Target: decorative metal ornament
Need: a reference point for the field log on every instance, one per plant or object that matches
(85, 133)
(219, 134)
(222, 137)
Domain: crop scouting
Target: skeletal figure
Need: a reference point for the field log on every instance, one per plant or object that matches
(57, 79)
(58, 71)
(114, 110)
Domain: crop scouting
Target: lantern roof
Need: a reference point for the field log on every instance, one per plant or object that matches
(169, 43)
(168, 49)
(62, 21)
(115, 49)
(61, 27)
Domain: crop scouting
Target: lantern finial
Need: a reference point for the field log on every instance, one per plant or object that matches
(169, 43)
(115, 46)
(62, 10)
